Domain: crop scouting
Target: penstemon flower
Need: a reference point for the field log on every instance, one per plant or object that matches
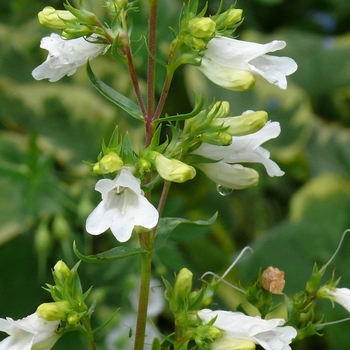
(123, 206)
(65, 56)
(339, 295)
(243, 149)
(28, 333)
(237, 326)
(232, 64)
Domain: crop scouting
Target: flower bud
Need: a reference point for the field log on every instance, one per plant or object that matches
(216, 138)
(144, 164)
(110, 163)
(53, 311)
(62, 271)
(173, 169)
(202, 27)
(220, 109)
(272, 280)
(73, 318)
(183, 284)
(229, 17)
(247, 123)
(76, 31)
(52, 18)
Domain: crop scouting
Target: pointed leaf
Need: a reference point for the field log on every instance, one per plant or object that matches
(167, 225)
(114, 96)
(112, 254)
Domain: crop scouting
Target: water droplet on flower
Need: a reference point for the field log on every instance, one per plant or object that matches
(66, 60)
(224, 191)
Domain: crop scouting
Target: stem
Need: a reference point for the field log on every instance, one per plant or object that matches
(144, 237)
(88, 332)
(146, 269)
(169, 76)
(134, 80)
(151, 70)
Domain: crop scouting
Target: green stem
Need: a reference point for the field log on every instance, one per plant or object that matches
(88, 331)
(151, 69)
(146, 270)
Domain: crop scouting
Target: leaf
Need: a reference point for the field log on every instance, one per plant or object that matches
(167, 225)
(112, 254)
(114, 96)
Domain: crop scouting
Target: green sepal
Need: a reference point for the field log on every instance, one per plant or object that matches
(109, 255)
(154, 145)
(127, 153)
(167, 225)
(114, 96)
(114, 140)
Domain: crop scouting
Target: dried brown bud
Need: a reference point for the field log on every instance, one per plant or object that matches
(272, 280)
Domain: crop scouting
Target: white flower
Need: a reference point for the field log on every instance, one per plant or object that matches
(123, 206)
(236, 325)
(65, 56)
(232, 63)
(339, 295)
(243, 149)
(28, 333)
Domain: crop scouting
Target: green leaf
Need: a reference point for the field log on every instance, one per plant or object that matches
(112, 254)
(167, 225)
(114, 96)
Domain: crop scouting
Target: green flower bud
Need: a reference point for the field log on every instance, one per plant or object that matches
(73, 318)
(216, 138)
(229, 17)
(202, 27)
(195, 43)
(220, 109)
(172, 169)
(53, 311)
(52, 18)
(110, 163)
(144, 164)
(183, 285)
(76, 31)
(247, 123)
(62, 271)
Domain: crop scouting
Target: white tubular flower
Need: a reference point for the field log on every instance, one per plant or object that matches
(236, 325)
(232, 63)
(243, 149)
(65, 56)
(123, 206)
(29, 333)
(339, 295)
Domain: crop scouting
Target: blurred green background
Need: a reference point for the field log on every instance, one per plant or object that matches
(48, 129)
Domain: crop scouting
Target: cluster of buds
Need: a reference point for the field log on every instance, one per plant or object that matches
(196, 30)
(69, 305)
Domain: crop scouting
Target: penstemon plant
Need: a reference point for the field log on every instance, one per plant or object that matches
(210, 138)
